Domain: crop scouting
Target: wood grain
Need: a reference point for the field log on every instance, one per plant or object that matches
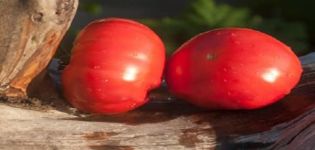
(30, 32)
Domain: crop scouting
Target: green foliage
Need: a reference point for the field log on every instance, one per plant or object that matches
(293, 34)
(292, 10)
(93, 8)
(203, 15)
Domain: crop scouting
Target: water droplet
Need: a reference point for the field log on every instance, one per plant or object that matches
(210, 81)
(218, 33)
(89, 89)
(225, 80)
(140, 56)
(238, 101)
(237, 42)
(106, 80)
(96, 67)
(132, 105)
(233, 34)
(169, 98)
(290, 75)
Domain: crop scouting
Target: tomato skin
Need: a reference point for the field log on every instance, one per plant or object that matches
(114, 63)
(232, 68)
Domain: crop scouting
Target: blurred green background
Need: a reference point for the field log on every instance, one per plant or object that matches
(176, 21)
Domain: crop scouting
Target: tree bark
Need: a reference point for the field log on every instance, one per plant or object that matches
(30, 32)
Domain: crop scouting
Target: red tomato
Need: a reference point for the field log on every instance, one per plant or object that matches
(114, 63)
(233, 68)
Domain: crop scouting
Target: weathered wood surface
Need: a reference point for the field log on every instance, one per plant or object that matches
(168, 124)
(30, 32)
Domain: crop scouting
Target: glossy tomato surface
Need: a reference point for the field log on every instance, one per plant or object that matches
(233, 68)
(114, 63)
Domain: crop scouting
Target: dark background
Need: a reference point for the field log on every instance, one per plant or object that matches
(176, 21)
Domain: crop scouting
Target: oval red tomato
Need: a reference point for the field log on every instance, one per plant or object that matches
(114, 63)
(233, 68)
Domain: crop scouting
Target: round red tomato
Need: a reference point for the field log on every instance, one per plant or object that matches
(233, 68)
(114, 63)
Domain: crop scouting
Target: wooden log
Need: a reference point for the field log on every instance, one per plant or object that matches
(30, 32)
(167, 124)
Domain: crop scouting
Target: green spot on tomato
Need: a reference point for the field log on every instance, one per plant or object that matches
(210, 56)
